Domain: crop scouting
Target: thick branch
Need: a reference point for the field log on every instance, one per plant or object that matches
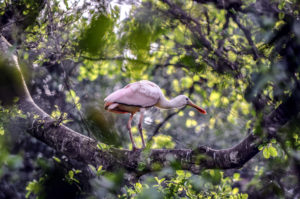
(84, 149)
(222, 4)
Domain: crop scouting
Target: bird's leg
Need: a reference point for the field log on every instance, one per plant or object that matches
(129, 129)
(141, 126)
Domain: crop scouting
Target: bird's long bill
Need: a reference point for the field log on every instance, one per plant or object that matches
(201, 110)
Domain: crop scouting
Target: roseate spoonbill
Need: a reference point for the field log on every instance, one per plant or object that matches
(137, 97)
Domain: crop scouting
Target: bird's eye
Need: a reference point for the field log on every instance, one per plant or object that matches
(186, 99)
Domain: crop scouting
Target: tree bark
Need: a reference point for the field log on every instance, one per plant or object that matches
(82, 148)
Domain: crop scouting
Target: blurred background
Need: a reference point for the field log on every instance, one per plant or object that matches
(239, 60)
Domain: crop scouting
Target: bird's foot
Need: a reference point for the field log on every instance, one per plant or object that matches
(138, 149)
(135, 148)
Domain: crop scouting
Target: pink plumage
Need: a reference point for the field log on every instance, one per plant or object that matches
(138, 96)
(141, 94)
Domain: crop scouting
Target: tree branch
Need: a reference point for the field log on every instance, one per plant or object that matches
(223, 4)
(221, 63)
(247, 34)
(77, 146)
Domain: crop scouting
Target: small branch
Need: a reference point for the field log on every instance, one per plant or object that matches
(67, 83)
(156, 131)
(222, 41)
(207, 21)
(247, 34)
(223, 4)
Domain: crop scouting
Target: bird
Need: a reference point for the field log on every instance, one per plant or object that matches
(139, 96)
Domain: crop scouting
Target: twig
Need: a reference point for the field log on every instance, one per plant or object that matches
(222, 41)
(67, 83)
(247, 35)
(156, 131)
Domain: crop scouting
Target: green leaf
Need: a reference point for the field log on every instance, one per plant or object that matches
(273, 151)
(236, 176)
(232, 56)
(163, 141)
(266, 153)
(1, 130)
(99, 168)
(34, 187)
(71, 174)
(281, 15)
(95, 38)
(189, 61)
(273, 141)
(214, 96)
(215, 176)
(66, 3)
(56, 159)
(159, 181)
(235, 191)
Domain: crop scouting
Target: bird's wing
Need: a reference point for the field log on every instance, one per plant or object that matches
(142, 93)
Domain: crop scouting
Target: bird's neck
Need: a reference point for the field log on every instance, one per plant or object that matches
(168, 104)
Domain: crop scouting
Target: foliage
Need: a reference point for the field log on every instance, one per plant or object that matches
(239, 60)
(34, 187)
(210, 184)
(8, 161)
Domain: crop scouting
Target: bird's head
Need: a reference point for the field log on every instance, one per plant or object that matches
(184, 100)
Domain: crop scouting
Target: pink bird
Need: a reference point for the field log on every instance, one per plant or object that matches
(137, 97)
